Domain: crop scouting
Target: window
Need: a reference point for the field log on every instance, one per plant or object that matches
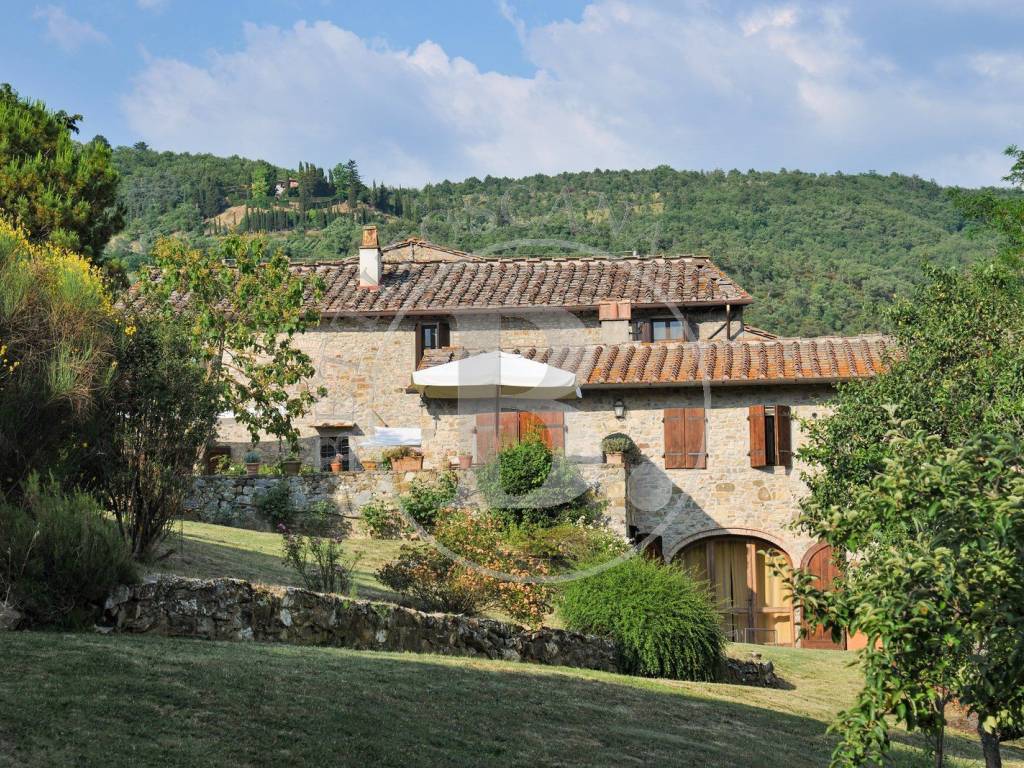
(770, 436)
(434, 334)
(331, 446)
(662, 329)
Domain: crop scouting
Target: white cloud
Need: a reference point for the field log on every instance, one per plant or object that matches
(151, 5)
(628, 84)
(67, 32)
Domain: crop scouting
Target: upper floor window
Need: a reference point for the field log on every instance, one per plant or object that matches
(432, 334)
(662, 329)
(771, 441)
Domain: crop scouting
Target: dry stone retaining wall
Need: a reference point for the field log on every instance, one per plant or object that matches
(229, 609)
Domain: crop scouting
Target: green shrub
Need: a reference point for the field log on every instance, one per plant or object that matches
(439, 583)
(382, 519)
(527, 483)
(321, 519)
(568, 546)
(664, 622)
(251, 457)
(275, 505)
(60, 556)
(434, 582)
(618, 442)
(318, 560)
(424, 499)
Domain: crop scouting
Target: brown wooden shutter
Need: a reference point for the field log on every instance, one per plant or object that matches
(646, 331)
(783, 436)
(757, 447)
(696, 450)
(675, 438)
(551, 425)
(444, 334)
(486, 444)
(419, 344)
(508, 428)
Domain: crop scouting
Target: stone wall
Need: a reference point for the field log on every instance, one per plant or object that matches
(231, 500)
(229, 609)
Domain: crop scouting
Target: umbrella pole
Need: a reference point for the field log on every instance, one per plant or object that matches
(497, 408)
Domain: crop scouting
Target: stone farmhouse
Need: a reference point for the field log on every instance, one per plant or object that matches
(661, 352)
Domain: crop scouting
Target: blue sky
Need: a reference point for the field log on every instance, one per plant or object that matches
(420, 92)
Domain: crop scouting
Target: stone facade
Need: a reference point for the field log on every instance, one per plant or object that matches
(229, 609)
(232, 500)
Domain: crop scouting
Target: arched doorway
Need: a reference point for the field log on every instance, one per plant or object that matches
(754, 603)
(819, 563)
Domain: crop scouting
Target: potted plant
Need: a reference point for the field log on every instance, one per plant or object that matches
(252, 463)
(338, 463)
(403, 459)
(618, 448)
(465, 461)
(370, 459)
(291, 465)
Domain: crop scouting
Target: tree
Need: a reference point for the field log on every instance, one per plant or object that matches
(243, 310)
(58, 189)
(958, 379)
(154, 420)
(57, 326)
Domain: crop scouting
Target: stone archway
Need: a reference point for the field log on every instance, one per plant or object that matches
(752, 599)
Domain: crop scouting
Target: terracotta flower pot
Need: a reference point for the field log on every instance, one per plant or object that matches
(369, 465)
(291, 466)
(465, 461)
(614, 458)
(252, 468)
(407, 464)
(336, 466)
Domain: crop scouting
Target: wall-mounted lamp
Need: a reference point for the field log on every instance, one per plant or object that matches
(620, 408)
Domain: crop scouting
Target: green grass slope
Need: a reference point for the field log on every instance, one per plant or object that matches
(90, 700)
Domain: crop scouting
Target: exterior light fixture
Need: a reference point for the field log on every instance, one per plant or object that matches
(620, 408)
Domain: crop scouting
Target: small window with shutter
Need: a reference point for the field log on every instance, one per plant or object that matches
(431, 335)
(770, 436)
(685, 446)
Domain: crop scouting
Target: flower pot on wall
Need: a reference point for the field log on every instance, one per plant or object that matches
(615, 458)
(369, 465)
(407, 464)
(252, 468)
(291, 466)
(465, 461)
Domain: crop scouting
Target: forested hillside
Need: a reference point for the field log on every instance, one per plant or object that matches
(820, 253)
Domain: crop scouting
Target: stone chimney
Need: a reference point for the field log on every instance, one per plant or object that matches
(370, 259)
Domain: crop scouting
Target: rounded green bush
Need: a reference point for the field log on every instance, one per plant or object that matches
(664, 622)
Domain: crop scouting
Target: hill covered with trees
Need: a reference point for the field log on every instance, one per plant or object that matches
(821, 253)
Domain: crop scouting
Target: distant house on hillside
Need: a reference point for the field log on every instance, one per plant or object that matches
(282, 187)
(660, 351)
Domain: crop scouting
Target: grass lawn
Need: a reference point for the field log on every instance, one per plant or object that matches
(208, 551)
(92, 700)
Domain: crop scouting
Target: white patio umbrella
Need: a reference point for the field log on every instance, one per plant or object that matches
(496, 374)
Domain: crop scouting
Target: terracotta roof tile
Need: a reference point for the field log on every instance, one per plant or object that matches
(476, 283)
(777, 361)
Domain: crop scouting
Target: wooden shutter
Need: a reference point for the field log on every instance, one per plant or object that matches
(550, 425)
(783, 436)
(419, 344)
(757, 447)
(675, 438)
(646, 332)
(696, 450)
(508, 428)
(444, 334)
(684, 439)
(486, 440)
